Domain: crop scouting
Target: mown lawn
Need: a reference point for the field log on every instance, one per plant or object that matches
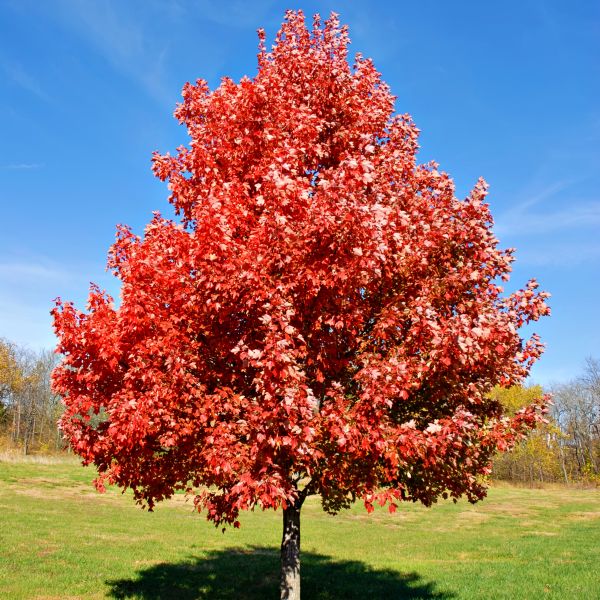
(59, 539)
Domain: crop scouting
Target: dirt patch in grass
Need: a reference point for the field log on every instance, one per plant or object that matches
(48, 550)
(389, 521)
(36, 488)
(147, 562)
(56, 482)
(473, 516)
(584, 515)
(500, 508)
(61, 597)
(39, 459)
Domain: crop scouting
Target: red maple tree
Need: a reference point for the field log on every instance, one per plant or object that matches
(325, 319)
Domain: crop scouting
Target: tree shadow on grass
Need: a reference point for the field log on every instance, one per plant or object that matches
(253, 574)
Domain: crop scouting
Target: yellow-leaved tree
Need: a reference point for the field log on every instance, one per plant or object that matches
(538, 457)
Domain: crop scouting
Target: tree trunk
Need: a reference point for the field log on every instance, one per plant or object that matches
(17, 431)
(290, 554)
(561, 454)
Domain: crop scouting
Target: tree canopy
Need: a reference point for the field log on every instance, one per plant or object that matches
(325, 318)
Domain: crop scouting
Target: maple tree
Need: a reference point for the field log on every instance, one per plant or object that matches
(326, 318)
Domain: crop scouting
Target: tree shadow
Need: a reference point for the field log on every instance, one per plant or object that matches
(253, 574)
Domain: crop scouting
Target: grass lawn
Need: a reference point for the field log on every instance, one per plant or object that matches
(59, 539)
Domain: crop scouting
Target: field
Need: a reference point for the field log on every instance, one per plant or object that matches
(59, 539)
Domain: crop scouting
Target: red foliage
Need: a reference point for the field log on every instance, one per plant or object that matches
(326, 318)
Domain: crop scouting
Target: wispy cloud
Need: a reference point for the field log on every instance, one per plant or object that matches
(27, 322)
(120, 37)
(552, 226)
(541, 193)
(560, 254)
(16, 73)
(101, 24)
(559, 211)
(239, 13)
(22, 166)
(21, 271)
(579, 215)
(28, 286)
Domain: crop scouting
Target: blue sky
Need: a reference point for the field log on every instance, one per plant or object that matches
(507, 90)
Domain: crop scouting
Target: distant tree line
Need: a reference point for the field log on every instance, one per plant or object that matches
(29, 411)
(567, 447)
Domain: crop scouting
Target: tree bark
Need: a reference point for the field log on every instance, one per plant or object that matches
(561, 454)
(290, 554)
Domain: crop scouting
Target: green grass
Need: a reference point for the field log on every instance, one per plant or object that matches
(60, 539)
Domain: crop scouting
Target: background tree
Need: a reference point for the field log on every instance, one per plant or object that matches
(567, 446)
(539, 457)
(10, 379)
(29, 410)
(325, 319)
(576, 408)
